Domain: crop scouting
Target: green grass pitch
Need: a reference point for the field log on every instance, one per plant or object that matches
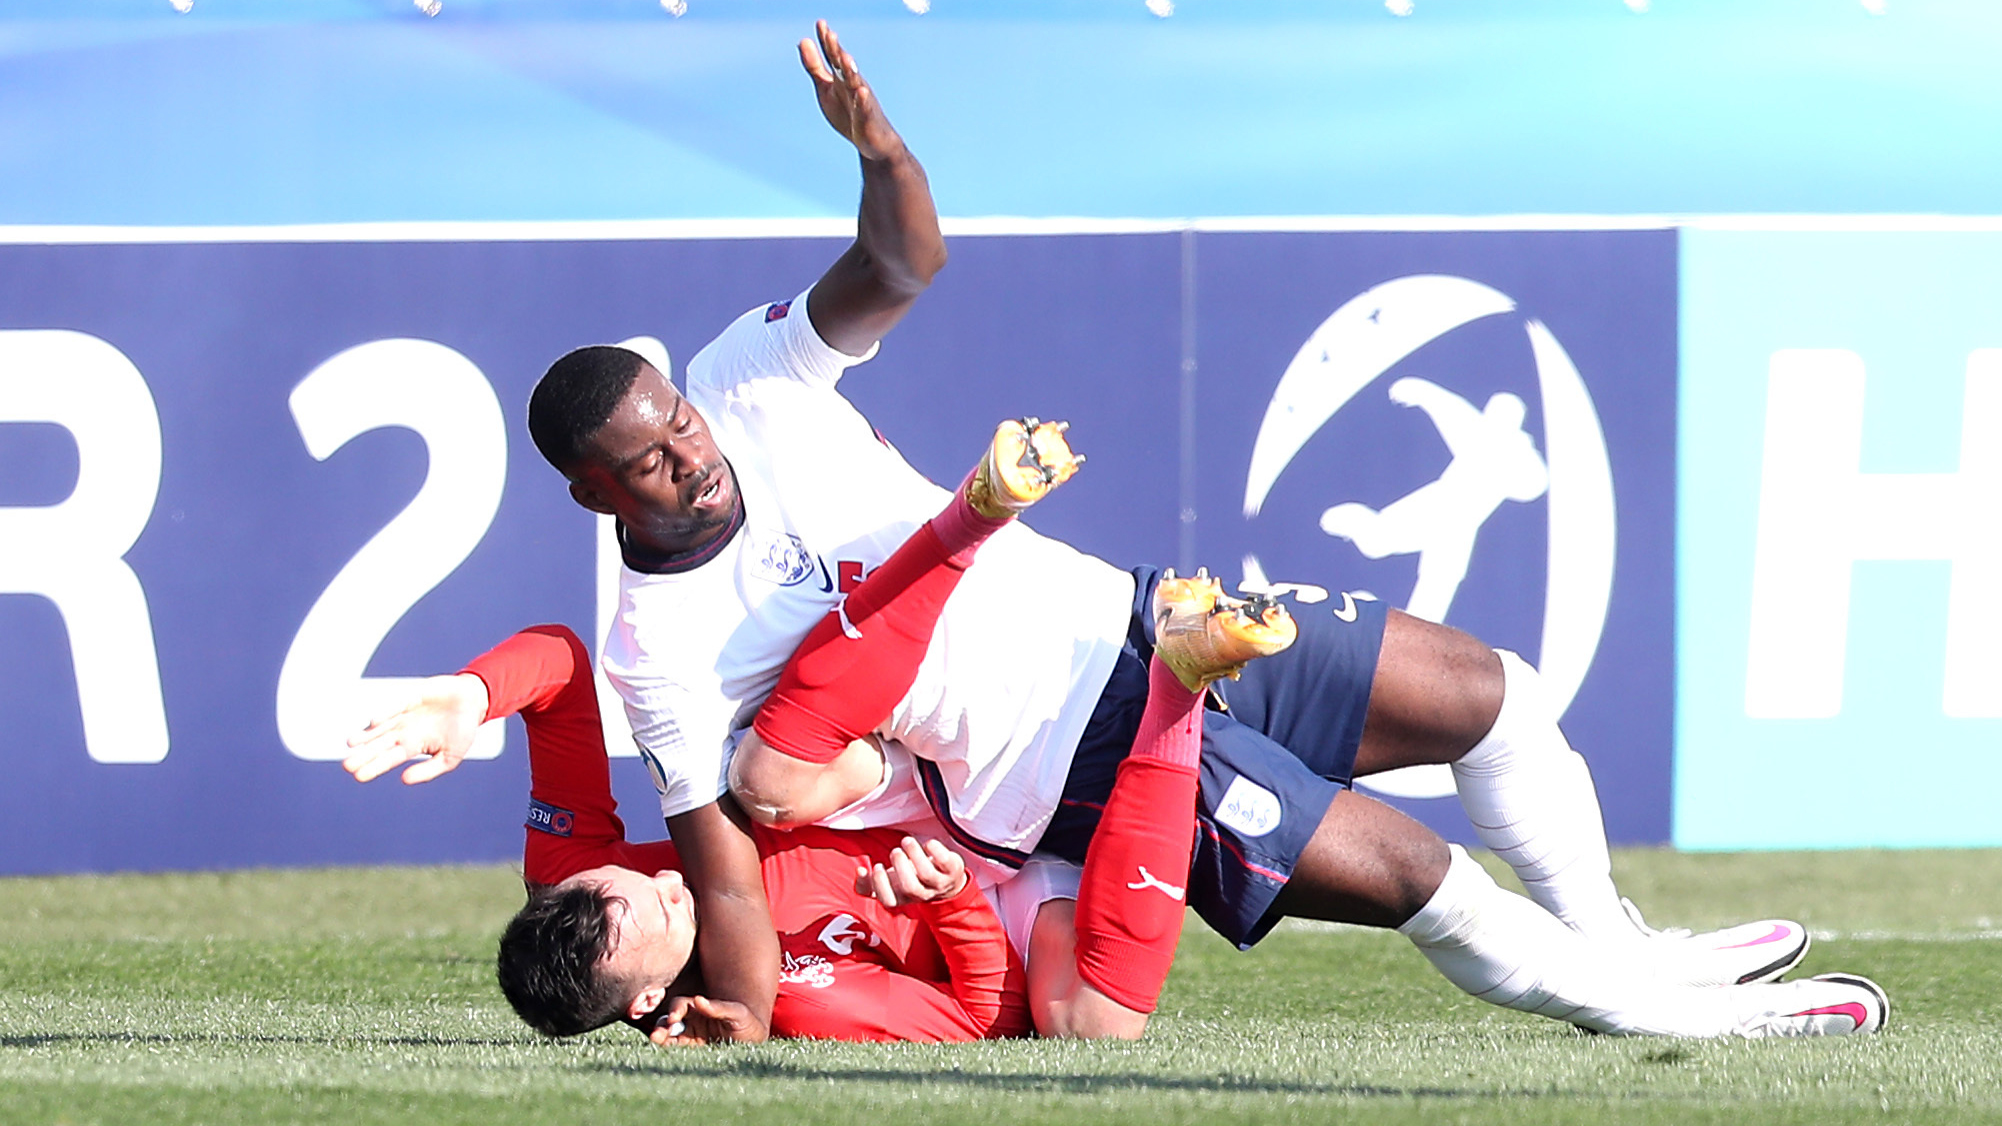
(366, 995)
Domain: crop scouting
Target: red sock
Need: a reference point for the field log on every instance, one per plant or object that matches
(1136, 871)
(839, 687)
(963, 530)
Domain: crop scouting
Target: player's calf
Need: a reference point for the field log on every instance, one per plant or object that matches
(810, 752)
(1133, 890)
(1063, 1004)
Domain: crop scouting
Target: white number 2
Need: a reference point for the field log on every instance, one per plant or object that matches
(323, 696)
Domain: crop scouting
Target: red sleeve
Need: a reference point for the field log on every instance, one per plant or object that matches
(544, 673)
(986, 976)
(535, 670)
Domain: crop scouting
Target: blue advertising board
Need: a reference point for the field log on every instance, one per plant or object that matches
(244, 486)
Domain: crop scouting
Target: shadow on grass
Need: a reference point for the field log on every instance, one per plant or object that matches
(47, 1039)
(1070, 1084)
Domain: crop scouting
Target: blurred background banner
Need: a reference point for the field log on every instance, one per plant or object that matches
(1554, 320)
(318, 111)
(268, 478)
(1840, 620)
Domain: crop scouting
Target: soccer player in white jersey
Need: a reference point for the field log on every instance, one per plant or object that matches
(744, 506)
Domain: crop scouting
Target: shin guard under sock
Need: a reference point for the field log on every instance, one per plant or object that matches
(1130, 898)
(1503, 949)
(848, 675)
(1531, 800)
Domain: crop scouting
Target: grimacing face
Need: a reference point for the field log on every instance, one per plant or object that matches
(653, 930)
(654, 465)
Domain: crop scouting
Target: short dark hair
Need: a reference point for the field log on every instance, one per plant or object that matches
(575, 396)
(552, 961)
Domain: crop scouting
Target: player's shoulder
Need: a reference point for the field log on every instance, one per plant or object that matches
(757, 340)
(775, 341)
(756, 323)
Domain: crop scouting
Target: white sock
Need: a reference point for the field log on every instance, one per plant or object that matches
(1503, 949)
(1531, 800)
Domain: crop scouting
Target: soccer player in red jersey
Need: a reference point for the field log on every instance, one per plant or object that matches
(610, 925)
(882, 938)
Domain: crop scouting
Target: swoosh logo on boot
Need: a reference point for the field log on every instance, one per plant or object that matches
(1778, 933)
(1851, 1009)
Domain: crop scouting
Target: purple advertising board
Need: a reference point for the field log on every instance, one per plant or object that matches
(1476, 426)
(241, 479)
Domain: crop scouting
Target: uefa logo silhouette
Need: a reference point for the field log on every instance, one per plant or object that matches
(1490, 461)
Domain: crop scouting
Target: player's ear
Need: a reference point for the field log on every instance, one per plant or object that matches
(588, 495)
(647, 1001)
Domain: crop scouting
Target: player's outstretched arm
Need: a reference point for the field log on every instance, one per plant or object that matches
(436, 727)
(1455, 418)
(898, 247)
(736, 942)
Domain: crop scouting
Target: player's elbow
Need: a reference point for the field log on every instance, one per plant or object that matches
(928, 262)
(903, 277)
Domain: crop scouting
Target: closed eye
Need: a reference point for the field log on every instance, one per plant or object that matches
(648, 462)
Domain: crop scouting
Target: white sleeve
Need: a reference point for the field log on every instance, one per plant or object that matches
(776, 340)
(682, 752)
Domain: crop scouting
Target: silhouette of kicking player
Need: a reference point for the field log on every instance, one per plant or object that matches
(1493, 460)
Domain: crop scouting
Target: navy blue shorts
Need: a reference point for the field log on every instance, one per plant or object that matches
(1274, 757)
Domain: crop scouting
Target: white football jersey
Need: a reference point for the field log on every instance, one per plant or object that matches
(996, 711)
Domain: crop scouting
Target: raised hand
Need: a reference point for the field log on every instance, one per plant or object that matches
(916, 873)
(436, 727)
(845, 98)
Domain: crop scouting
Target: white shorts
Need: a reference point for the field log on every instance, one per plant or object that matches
(1016, 901)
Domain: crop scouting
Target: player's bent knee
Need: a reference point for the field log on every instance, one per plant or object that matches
(1435, 685)
(1367, 864)
(764, 782)
(784, 792)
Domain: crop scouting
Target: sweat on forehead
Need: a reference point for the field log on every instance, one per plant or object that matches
(651, 397)
(576, 395)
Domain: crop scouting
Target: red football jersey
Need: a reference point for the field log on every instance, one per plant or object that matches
(856, 970)
(853, 969)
